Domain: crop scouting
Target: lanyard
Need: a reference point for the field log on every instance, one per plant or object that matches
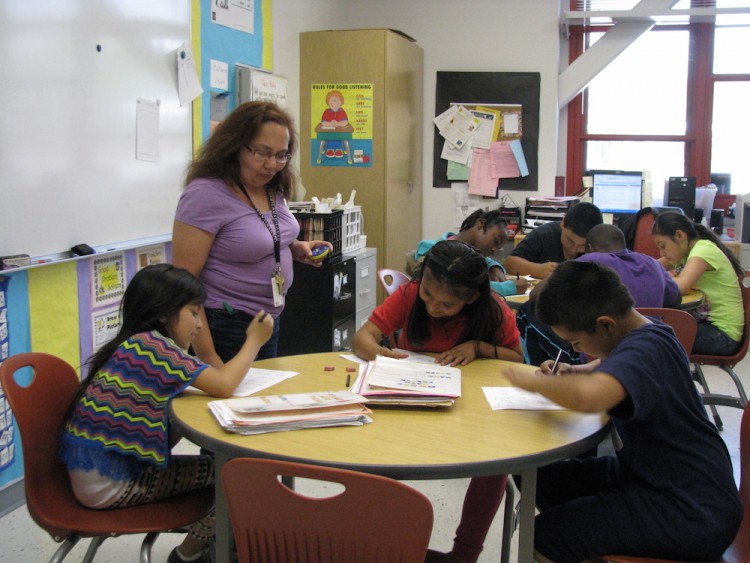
(277, 237)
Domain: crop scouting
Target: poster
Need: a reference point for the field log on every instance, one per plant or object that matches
(108, 279)
(341, 125)
(7, 444)
(235, 14)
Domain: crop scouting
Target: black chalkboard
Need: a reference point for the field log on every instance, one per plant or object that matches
(492, 88)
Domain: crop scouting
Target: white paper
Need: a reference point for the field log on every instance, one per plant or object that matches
(219, 75)
(416, 377)
(483, 135)
(256, 380)
(513, 398)
(147, 130)
(236, 14)
(188, 83)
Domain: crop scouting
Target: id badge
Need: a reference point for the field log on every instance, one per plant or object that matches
(277, 285)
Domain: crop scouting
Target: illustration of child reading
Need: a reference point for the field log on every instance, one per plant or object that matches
(334, 130)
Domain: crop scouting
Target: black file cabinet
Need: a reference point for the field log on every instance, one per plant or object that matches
(320, 309)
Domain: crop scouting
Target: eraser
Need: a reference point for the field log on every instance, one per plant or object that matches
(351, 369)
(15, 261)
(82, 250)
(328, 368)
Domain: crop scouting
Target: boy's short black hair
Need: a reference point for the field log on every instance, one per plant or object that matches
(577, 293)
(582, 217)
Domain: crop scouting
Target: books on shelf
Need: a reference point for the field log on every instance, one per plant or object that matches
(275, 413)
(540, 210)
(388, 381)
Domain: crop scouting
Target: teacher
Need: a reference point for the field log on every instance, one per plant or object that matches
(234, 231)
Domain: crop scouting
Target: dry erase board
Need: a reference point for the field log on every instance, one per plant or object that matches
(72, 72)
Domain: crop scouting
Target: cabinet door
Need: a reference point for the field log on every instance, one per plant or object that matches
(367, 274)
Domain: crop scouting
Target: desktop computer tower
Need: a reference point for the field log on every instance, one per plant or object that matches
(680, 192)
(742, 218)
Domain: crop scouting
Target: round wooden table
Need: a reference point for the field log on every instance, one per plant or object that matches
(468, 439)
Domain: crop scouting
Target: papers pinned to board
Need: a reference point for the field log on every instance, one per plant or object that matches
(387, 381)
(276, 413)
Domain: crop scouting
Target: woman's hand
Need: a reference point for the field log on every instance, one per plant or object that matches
(302, 251)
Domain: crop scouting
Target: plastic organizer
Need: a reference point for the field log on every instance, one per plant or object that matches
(322, 226)
(352, 229)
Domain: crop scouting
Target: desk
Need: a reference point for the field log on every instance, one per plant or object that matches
(466, 440)
(343, 134)
(689, 301)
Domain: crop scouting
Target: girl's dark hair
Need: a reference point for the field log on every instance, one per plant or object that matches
(461, 270)
(668, 223)
(219, 155)
(154, 295)
(577, 293)
(491, 218)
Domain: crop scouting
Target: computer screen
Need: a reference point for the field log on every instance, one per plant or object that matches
(616, 191)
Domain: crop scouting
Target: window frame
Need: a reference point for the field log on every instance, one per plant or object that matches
(699, 105)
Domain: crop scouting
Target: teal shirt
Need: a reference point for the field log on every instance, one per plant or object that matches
(507, 287)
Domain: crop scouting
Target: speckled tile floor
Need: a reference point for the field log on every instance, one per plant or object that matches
(21, 541)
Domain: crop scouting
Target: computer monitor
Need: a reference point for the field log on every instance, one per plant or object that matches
(616, 191)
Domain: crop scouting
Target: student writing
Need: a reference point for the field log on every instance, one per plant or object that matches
(116, 444)
(450, 309)
(697, 258)
(485, 231)
(671, 467)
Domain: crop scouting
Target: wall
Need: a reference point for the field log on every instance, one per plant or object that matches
(483, 35)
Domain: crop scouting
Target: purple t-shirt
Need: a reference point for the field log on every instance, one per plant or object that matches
(648, 282)
(241, 260)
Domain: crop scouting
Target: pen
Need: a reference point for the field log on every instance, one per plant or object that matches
(262, 317)
(348, 379)
(557, 361)
(518, 276)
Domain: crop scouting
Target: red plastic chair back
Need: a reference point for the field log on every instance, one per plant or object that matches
(683, 323)
(375, 519)
(643, 242)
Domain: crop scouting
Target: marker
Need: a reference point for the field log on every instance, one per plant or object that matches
(348, 379)
(557, 361)
(228, 308)
(262, 317)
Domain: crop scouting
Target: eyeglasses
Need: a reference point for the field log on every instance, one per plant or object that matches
(262, 155)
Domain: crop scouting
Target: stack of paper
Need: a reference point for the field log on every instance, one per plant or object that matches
(387, 381)
(275, 413)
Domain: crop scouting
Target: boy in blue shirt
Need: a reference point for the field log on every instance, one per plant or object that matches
(669, 491)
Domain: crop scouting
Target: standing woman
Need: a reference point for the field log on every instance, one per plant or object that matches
(234, 231)
(696, 257)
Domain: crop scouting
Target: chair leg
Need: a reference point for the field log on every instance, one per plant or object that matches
(147, 545)
(93, 547)
(738, 384)
(64, 549)
(509, 522)
(701, 378)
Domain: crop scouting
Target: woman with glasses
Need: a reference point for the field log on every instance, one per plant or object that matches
(234, 231)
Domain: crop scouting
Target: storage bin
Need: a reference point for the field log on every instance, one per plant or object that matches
(322, 226)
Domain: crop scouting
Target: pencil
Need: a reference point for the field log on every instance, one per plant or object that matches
(348, 379)
(557, 361)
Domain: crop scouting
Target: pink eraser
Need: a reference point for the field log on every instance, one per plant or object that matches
(328, 368)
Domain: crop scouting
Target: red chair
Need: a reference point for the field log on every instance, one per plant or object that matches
(727, 364)
(683, 323)
(40, 409)
(643, 242)
(374, 519)
(739, 551)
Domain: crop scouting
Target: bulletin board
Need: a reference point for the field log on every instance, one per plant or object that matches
(492, 88)
(73, 71)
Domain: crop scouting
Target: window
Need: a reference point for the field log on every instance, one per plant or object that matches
(674, 103)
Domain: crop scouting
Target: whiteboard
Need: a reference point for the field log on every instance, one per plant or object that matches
(72, 72)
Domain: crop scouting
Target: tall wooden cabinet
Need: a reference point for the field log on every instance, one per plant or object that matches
(389, 191)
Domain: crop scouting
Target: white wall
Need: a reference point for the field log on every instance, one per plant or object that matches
(477, 35)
